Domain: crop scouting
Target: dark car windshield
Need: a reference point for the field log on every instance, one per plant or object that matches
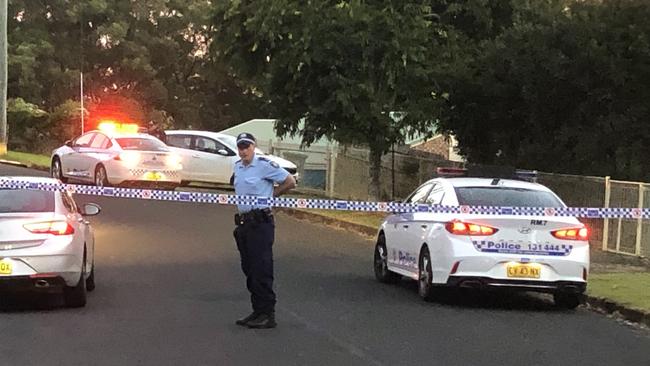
(14, 200)
(505, 196)
(143, 144)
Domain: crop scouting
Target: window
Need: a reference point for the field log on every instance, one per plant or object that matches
(435, 197)
(84, 140)
(142, 144)
(182, 141)
(420, 194)
(26, 201)
(505, 196)
(100, 142)
(205, 144)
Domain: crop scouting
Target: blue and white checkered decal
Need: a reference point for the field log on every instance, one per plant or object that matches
(325, 204)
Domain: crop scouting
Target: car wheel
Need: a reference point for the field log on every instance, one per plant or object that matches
(90, 281)
(425, 287)
(566, 300)
(382, 274)
(101, 179)
(56, 171)
(75, 296)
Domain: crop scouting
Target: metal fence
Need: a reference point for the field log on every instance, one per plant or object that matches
(344, 172)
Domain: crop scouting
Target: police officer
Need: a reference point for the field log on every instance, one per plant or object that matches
(254, 233)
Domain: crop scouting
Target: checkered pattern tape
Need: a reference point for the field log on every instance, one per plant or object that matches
(324, 204)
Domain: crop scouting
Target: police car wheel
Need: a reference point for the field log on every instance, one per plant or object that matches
(382, 274)
(56, 171)
(566, 300)
(101, 179)
(425, 287)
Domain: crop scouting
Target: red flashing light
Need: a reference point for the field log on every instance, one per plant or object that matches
(113, 127)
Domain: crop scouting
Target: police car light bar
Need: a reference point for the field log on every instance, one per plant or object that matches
(451, 172)
(527, 175)
(488, 171)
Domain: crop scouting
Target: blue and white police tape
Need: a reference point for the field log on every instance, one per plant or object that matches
(326, 204)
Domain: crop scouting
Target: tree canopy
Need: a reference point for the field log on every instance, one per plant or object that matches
(338, 68)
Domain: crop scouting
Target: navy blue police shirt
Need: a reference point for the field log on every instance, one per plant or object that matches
(257, 179)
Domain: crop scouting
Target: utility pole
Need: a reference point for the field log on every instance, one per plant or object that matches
(3, 76)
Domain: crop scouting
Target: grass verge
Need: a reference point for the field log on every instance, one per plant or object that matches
(628, 289)
(31, 160)
(372, 219)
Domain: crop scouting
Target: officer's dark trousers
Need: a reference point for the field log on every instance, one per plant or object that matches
(255, 244)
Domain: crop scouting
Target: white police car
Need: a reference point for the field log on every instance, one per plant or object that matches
(112, 156)
(532, 253)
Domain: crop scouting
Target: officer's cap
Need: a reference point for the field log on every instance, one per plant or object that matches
(244, 139)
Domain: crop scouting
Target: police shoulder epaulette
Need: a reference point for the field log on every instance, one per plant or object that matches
(271, 162)
(238, 161)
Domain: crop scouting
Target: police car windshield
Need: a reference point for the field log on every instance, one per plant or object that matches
(143, 144)
(505, 196)
(26, 201)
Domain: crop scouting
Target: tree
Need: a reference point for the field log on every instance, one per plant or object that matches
(563, 90)
(339, 67)
(151, 53)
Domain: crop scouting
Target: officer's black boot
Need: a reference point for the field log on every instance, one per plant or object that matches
(244, 321)
(263, 321)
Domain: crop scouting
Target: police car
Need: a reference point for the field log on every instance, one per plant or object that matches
(532, 253)
(117, 155)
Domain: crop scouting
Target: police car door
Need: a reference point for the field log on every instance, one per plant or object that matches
(75, 163)
(404, 255)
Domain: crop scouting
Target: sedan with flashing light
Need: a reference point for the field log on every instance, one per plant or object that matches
(485, 251)
(124, 159)
(46, 245)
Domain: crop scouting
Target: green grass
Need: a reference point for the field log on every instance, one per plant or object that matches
(629, 289)
(32, 160)
(372, 219)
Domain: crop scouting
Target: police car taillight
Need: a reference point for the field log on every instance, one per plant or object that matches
(58, 227)
(458, 227)
(577, 233)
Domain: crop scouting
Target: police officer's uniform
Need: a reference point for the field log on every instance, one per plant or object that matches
(254, 233)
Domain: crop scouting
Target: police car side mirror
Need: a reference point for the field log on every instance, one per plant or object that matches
(223, 152)
(90, 209)
(68, 143)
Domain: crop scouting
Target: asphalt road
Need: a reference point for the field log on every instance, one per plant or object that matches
(169, 288)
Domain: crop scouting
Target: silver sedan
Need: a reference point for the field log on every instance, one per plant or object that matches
(46, 244)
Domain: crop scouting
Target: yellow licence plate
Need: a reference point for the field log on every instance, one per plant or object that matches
(524, 270)
(152, 176)
(5, 267)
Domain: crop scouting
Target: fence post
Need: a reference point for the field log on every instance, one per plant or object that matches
(606, 220)
(639, 222)
(331, 171)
